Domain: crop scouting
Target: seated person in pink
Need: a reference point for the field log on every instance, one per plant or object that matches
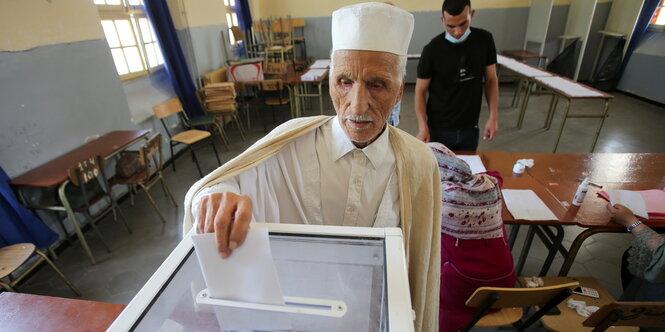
(474, 248)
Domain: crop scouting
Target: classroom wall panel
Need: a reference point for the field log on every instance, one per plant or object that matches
(645, 73)
(55, 96)
(28, 24)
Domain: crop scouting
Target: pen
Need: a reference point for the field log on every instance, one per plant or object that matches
(591, 183)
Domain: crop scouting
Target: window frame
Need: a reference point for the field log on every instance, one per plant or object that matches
(133, 14)
(658, 27)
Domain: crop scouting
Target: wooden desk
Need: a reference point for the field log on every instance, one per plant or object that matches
(26, 312)
(54, 173)
(570, 95)
(569, 320)
(301, 91)
(525, 72)
(631, 171)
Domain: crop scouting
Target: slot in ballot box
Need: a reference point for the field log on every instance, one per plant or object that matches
(333, 279)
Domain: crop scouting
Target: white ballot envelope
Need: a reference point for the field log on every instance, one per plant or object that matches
(248, 275)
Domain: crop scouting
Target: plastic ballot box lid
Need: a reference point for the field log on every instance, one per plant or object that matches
(332, 278)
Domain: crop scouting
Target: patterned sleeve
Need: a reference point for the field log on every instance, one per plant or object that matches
(647, 255)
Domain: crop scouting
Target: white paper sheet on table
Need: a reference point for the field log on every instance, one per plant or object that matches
(313, 74)
(630, 199)
(474, 162)
(248, 275)
(526, 205)
(571, 88)
(322, 64)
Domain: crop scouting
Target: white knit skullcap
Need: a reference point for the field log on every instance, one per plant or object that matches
(372, 26)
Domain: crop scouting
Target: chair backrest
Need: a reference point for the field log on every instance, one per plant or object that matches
(642, 314)
(151, 152)
(271, 85)
(298, 22)
(167, 108)
(275, 68)
(518, 297)
(215, 76)
(238, 34)
(86, 170)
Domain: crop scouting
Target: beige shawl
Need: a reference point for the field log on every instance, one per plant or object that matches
(420, 208)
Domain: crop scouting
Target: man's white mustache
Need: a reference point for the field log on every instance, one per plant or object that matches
(359, 118)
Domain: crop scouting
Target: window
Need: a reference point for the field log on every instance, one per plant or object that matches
(231, 18)
(658, 18)
(130, 36)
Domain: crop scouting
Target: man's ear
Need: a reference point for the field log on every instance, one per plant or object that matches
(401, 91)
(473, 11)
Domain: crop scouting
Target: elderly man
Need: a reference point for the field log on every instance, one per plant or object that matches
(351, 170)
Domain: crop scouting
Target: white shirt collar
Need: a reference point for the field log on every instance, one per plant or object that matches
(342, 145)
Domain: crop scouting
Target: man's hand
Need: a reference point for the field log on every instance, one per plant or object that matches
(423, 134)
(227, 215)
(621, 214)
(491, 128)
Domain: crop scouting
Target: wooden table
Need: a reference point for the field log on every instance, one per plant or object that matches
(569, 320)
(26, 312)
(54, 173)
(559, 173)
(301, 90)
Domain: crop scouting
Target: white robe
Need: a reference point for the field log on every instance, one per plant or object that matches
(322, 178)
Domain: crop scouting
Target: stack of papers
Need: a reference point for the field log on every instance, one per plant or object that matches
(474, 162)
(526, 205)
(313, 75)
(220, 96)
(570, 88)
(320, 64)
(647, 204)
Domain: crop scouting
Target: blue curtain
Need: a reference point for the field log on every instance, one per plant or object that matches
(17, 223)
(641, 26)
(244, 15)
(176, 65)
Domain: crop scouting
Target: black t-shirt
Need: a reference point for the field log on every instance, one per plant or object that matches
(457, 72)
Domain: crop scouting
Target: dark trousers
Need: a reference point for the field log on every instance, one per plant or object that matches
(456, 139)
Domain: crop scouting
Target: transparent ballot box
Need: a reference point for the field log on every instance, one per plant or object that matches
(332, 278)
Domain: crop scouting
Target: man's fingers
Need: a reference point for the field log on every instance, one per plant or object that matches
(242, 218)
(223, 223)
(201, 216)
(211, 212)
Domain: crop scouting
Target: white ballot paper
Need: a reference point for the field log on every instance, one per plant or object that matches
(248, 275)
(474, 162)
(630, 199)
(526, 205)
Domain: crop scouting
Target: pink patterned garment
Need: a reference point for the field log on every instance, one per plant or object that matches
(471, 203)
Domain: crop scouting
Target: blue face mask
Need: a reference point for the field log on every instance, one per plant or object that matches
(454, 40)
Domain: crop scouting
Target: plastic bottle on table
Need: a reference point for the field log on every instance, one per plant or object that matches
(581, 192)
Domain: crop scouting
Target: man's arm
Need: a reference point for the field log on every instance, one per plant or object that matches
(492, 96)
(422, 85)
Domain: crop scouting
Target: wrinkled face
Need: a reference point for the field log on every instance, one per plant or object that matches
(457, 25)
(364, 87)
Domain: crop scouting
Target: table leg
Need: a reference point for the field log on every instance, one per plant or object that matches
(550, 110)
(512, 236)
(516, 95)
(292, 100)
(524, 104)
(525, 249)
(600, 125)
(546, 234)
(75, 225)
(320, 97)
(577, 244)
(549, 120)
(563, 124)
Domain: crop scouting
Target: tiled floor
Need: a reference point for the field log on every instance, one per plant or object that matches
(633, 126)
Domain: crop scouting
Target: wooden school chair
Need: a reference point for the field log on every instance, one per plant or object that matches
(14, 256)
(151, 158)
(188, 136)
(274, 95)
(636, 314)
(89, 186)
(510, 302)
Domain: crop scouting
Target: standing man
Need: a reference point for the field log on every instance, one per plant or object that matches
(454, 67)
(349, 170)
